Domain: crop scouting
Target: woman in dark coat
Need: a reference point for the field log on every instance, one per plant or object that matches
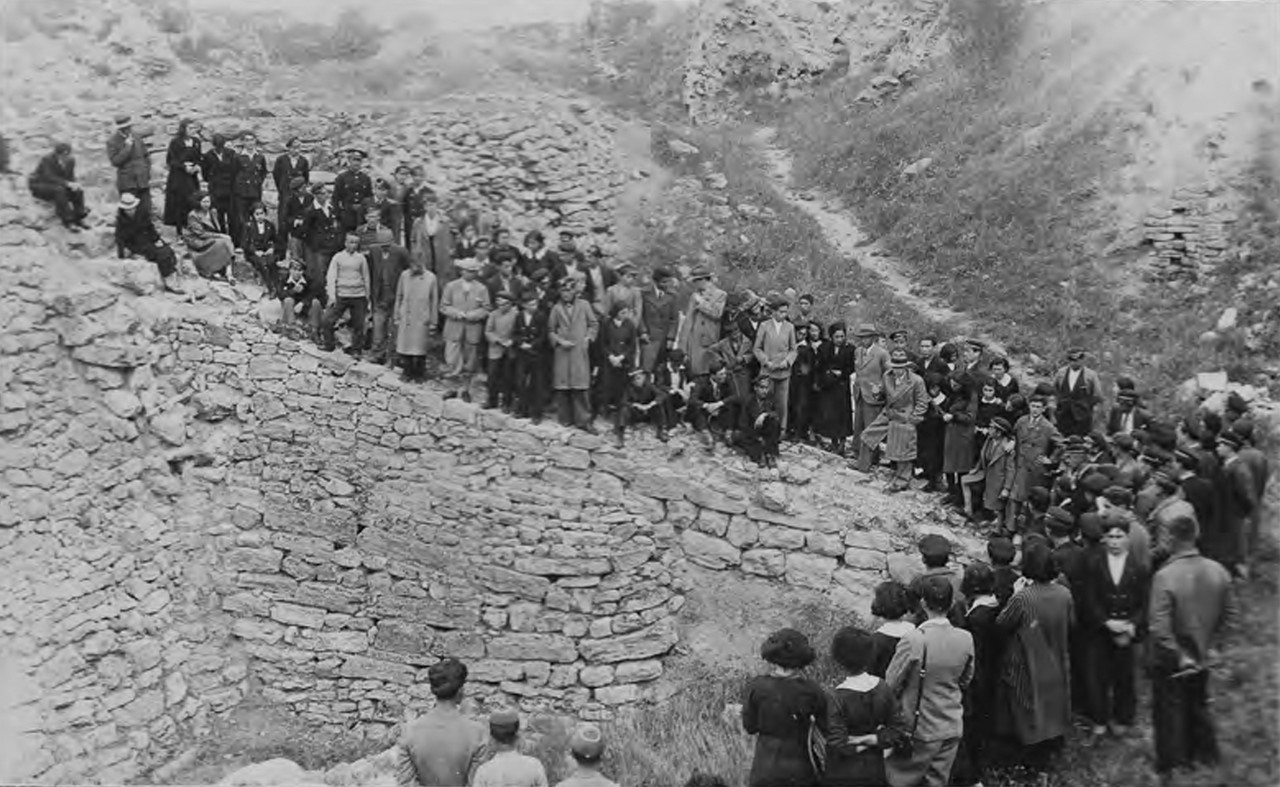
(782, 709)
(931, 433)
(183, 182)
(979, 586)
(894, 604)
(802, 400)
(960, 417)
(835, 361)
(1034, 707)
(864, 716)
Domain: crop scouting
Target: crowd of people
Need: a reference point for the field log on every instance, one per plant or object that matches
(1129, 525)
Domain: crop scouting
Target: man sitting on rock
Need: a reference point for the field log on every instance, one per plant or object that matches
(54, 180)
(641, 402)
(443, 747)
(759, 429)
(136, 236)
(711, 404)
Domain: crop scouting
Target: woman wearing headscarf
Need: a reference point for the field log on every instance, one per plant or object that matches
(211, 251)
(782, 709)
(183, 181)
(864, 716)
(1034, 707)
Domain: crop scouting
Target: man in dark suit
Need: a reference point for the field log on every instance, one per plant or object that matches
(1128, 416)
(1241, 506)
(289, 165)
(759, 429)
(1113, 618)
(54, 180)
(322, 237)
(246, 191)
(1078, 393)
(218, 170)
(351, 189)
(129, 155)
(661, 316)
(262, 248)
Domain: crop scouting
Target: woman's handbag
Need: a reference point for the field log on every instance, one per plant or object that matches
(904, 745)
(817, 747)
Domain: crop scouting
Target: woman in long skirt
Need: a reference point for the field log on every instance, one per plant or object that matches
(183, 181)
(416, 312)
(212, 252)
(783, 709)
(834, 365)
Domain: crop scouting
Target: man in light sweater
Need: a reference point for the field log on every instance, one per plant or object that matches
(348, 287)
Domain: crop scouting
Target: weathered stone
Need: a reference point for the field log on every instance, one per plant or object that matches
(776, 537)
(869, 539)
(294, 615)
(864, 559)
(708, 551)
(505, 580)
(660, 485)
(262, 559)
(563, 566)
(829, 544)
(258, 630)
(773, 496)
(170, 426)
(764, 562)
(327, 596)
(543, 647)
(619, 694)
(122, 403)
(742, 532)
(148, 707)
(596, 675)
(811, 571)
(113, 354)
(716, 501)
(712, 522)
(798, 522)
(441, 614)
(403, 637)
(653, 641)
(572, 458)
(638, 671)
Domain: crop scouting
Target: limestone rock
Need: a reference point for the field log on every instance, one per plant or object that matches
(171, 426)
(646, 643)
(266, 774)
(217, 403)
(772, 497)
(122, 403)
(709, 551)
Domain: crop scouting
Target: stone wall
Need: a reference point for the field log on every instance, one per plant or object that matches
(1188, 234)
(196, 511)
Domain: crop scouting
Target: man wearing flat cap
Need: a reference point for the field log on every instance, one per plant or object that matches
(1078, 394)
(586, 747)
(1128, 415)
(291, 171)
(1240, 506)
(775, 349)
(659, 316)
(352, 189)
(870, 362)
(444, 747)
(906, 402)
(129, 155)
(508, 767)
(700, 327)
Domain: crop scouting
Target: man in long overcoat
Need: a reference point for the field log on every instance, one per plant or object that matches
(701, 326)
(571, 328)
(906, 402)
(870, 363)
(129, 155)
(218, 170)
(1035, 438)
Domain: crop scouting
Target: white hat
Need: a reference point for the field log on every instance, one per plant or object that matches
(129, 201)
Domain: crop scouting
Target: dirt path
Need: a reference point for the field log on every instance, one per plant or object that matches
(847, 237)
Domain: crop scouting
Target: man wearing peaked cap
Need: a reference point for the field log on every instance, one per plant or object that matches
(508, 767)
(1078, 392)
(1241, 506)
(586, 747)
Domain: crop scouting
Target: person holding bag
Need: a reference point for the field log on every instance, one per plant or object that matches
(788, 714)
(929, 673)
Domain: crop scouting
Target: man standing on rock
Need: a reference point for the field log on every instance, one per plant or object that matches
(775, 350)
(659, 318)
(132, 160)
(1078, 393)
(289, 165)
(432, 239)
(571, 328)
(443, 748)
(322, 237)
(906, 402)
(870, 362)
(352, 189)
(701, 325)
(246, 190)
(465, 307)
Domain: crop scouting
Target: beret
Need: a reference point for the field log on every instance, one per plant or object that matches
(934, 545)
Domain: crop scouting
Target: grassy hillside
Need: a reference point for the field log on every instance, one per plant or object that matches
(1016, 219)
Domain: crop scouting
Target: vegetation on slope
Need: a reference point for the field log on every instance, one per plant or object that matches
(1003, 224)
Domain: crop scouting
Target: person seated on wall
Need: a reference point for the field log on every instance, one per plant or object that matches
(136, 236)
(54, 180)
(711, 405)
(641, 402)
(759, 430)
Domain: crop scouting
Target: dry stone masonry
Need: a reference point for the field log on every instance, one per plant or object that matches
(1189, 233)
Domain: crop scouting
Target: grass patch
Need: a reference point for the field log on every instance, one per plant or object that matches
(758, 240)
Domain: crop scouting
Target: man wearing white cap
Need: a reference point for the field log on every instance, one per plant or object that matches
(132, 160)
(136, 235)
(586, 747)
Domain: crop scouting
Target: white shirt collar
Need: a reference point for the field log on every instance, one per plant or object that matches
(1115, 564)
(983, 601)
(896, 628)
(862, 683)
